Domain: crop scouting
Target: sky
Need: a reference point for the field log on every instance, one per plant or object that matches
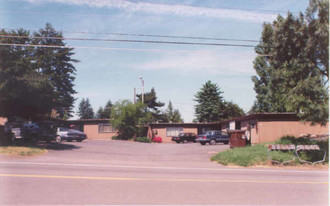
(110, 70)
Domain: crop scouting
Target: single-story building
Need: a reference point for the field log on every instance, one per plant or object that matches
(168, 130)
(93, 128)
(262, 127)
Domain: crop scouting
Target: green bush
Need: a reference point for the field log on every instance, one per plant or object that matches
(143, 139)
(257, 154)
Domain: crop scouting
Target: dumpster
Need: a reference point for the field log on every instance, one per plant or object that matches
(237, 138)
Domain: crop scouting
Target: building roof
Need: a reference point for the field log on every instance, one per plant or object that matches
(88, 121)
(287, 116)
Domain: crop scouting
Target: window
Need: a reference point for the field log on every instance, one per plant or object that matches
(103, 128)
(173, 131)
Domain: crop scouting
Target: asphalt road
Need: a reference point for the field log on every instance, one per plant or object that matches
(118, 172)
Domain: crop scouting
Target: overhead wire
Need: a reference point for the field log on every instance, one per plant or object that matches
(133, 41)
(102, 48)
(149, 35)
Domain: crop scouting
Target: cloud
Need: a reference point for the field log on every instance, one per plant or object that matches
(170, 9)
(210, 63)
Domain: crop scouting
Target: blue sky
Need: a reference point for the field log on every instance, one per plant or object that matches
(176, 72)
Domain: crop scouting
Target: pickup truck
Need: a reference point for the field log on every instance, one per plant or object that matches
(213, 137)
(69, 135)
(34, 132)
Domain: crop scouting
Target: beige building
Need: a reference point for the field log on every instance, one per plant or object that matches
(264, 127)
(93, 128)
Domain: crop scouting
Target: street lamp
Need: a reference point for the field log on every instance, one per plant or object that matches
(140, 77)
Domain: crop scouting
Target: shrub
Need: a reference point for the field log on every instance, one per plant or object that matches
(143, 139)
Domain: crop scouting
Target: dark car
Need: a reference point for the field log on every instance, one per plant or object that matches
(213, 137)
(185, 137)
(69, 135)
(34, 132)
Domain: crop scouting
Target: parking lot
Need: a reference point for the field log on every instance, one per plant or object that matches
(132, 153)
(99, 172)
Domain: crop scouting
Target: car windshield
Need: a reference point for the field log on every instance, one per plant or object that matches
(62, 129)
(209, 133)
(181, 134)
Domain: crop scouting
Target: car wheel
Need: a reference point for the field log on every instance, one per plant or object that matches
(69, 140)
(227, 142)
(79, 140)
(203, 143)
(58, 139)
(177, 142)
(212, 141)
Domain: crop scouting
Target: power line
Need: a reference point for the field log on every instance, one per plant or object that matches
(102, 48)
(152, 35)
(133, 41)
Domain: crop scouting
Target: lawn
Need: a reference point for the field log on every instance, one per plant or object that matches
(21, 151)
(257, 155)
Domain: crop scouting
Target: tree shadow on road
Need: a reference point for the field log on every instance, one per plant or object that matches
(44, 145)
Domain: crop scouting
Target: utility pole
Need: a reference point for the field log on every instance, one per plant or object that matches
(134, 95)
(140, 77)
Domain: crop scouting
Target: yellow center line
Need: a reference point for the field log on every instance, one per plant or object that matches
(161, 179)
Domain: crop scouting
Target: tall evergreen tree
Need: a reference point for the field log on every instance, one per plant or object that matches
(57, 64)
(24, 91)
(231, 110)
(172, 115)
(210, 102)
(151, 104)
(85, 110)
(104, 113)
(292, 65)
(34, 81)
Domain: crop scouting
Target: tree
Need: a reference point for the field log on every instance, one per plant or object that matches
(34, 81)
(128, 118)
(104, 113)
(171, 114)
(57, 64)
(231, 110)
(210, 102)
(151, 104)
(292, 65)
(24, 91)
(85, 110)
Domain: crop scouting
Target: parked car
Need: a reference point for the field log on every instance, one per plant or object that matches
(184, 137)
(69, 135)
(213, 137)
(34, 132)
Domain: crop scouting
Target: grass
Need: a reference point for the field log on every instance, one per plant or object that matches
(21, 151)
(257, 155)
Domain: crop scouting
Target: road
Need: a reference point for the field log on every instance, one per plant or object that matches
(119, 172)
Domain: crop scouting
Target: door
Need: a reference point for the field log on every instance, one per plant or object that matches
(217, 135)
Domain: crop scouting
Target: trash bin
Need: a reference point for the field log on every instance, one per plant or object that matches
(237, 138)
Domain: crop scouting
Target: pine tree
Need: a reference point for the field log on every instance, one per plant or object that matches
(85, 110)
(152, 105)
(172, 115)
(231, 110)
(24, 91)
(57, 64)
(104, 113)
(292, 66)
(210, 102)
